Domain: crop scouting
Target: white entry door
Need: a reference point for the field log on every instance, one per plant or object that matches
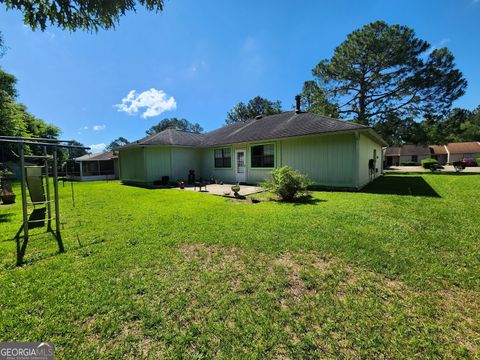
(240, 165)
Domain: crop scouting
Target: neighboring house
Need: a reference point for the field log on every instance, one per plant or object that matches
(463, 150)
(331, 152)
(449, 153)
(439, 153)
(94, 167)
(395, 156)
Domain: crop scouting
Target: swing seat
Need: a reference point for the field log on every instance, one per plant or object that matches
(35, 185)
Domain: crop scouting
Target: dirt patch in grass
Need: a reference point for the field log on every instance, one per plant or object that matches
(296, 285)
(303, 285)
(460, 309)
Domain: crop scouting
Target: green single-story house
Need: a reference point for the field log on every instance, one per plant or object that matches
(333, 153)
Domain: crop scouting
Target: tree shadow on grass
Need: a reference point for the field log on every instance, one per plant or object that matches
(308, 200)
(401, 185)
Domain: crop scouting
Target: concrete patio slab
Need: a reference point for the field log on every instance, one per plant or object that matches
(225, 189)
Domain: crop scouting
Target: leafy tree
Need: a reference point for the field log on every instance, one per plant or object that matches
(90, 15)
(256, 106)
(459, 125)
(120, 141)
(382, 68)
(7, 85)
(313, 99)
(397, 131)
(74, 153)
(471, 127)
(177, 124)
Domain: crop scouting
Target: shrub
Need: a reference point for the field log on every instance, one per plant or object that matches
(426, 163)
(459, 166)
(478, 161)
(287, 183)
(408, 163)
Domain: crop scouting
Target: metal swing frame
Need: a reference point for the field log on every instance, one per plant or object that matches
(53, 144)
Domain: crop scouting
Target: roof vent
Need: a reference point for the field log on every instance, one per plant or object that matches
(297, 104)
(258, 117)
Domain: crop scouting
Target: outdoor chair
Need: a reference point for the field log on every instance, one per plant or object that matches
(200, 184)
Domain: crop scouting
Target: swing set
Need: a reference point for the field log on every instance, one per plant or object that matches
(36, 179)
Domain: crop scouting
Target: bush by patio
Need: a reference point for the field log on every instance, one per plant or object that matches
(288, 184)
(427, 163)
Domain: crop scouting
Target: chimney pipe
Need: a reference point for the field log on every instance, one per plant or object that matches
(297, 104)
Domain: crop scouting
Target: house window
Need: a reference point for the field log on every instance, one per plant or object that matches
(262, 156)
(415, 158)
(222, 158)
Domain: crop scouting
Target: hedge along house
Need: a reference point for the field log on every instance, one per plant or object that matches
(331, 152)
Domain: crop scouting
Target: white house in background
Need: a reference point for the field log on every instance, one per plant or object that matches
(92, 167)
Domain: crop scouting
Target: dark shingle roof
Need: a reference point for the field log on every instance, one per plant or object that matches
(408, 150)
(287, 124)
(171, 137)
(393, 151)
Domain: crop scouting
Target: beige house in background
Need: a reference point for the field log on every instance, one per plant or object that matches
(394, 156)
(464, 150)
(445, 154)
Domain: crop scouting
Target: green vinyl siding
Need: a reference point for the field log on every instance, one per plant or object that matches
(132, 166)
(337, 160)
(183, 160)
(366, 151)
(208, 166)
(327, 160)
(157, 163)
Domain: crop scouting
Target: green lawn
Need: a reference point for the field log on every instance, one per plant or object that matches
(393, 271)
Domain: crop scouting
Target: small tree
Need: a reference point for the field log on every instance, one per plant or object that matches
(256, 106)
(288, 184)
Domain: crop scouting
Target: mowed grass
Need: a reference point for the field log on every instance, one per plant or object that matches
(389, 272)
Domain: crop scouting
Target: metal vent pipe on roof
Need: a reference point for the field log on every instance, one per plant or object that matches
(297, 104)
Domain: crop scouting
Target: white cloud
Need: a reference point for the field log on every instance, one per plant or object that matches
(441, 44)
(99, 127)
(85, 128)
(97, 148)
(153, 101)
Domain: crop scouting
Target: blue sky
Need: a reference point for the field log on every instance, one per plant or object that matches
(202, 57)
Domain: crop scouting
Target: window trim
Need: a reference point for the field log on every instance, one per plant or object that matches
(222, 148)
(250, 146)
